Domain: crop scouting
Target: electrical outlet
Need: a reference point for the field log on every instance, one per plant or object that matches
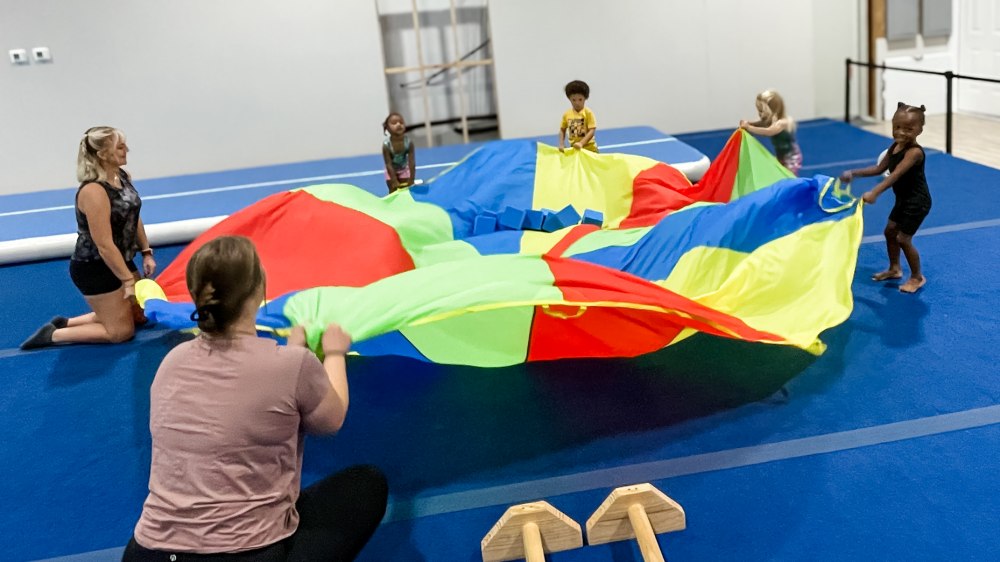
(41, 54)
(18, 56)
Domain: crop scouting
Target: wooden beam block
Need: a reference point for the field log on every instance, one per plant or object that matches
(641, 512)
(529, 531)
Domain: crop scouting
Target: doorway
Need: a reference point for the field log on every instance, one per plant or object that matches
(979, 55)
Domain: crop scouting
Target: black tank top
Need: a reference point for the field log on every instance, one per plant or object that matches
(911, 187)
(125, 205)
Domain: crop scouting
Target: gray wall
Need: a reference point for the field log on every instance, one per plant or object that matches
(197, 85)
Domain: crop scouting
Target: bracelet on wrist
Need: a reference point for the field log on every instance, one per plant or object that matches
(146, 252)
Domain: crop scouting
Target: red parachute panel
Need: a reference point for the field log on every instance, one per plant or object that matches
(308, 242)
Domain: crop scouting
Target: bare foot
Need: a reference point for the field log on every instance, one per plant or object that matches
(888, 274)
(912, 285)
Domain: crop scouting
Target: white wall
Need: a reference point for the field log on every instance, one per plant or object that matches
(838, 34)
(678, 65)
(202, 85)
(197, 85)
(937, 55)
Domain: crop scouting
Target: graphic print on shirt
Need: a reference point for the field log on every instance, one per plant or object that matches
(576, 128)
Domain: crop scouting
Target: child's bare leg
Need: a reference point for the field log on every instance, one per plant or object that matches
(389, 185)
(892, 247)
(917, 278)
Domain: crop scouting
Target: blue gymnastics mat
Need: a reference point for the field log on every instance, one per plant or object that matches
(198, 196)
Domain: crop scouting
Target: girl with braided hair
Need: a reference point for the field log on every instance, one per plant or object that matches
(905, 162)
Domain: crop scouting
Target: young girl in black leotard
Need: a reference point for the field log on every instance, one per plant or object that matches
(905, 162)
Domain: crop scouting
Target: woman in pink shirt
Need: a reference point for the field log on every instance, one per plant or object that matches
(228, 414)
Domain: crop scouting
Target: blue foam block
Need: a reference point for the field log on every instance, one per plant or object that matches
(550, 221)
(484, 224)
(568, 216)
(533, 219)
(593, 217)
(511, 218)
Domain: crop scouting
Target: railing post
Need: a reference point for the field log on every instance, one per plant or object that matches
(847, 90)
(949, 77)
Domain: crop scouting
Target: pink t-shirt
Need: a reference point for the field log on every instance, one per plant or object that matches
(226, 417)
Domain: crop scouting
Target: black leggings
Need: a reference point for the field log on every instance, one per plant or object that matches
(337, 516)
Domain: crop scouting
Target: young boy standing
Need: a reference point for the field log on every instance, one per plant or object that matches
(579, 120)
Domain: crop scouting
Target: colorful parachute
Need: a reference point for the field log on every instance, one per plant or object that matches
(748, 252)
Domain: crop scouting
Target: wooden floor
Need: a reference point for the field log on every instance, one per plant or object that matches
(974, 137)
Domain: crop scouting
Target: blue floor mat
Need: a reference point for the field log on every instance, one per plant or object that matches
(459, 444)
(925, 499)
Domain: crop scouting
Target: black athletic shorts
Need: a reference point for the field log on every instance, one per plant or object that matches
(909, 216)
(95, 277)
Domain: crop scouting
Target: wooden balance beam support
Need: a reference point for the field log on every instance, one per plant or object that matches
(529, 531)
(641, 512)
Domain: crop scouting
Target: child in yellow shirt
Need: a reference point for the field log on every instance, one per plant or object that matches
(579, 121)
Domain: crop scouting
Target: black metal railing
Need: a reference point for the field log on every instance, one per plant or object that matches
(949, 77)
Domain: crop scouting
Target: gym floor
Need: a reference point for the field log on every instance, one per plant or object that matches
(882, 448)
